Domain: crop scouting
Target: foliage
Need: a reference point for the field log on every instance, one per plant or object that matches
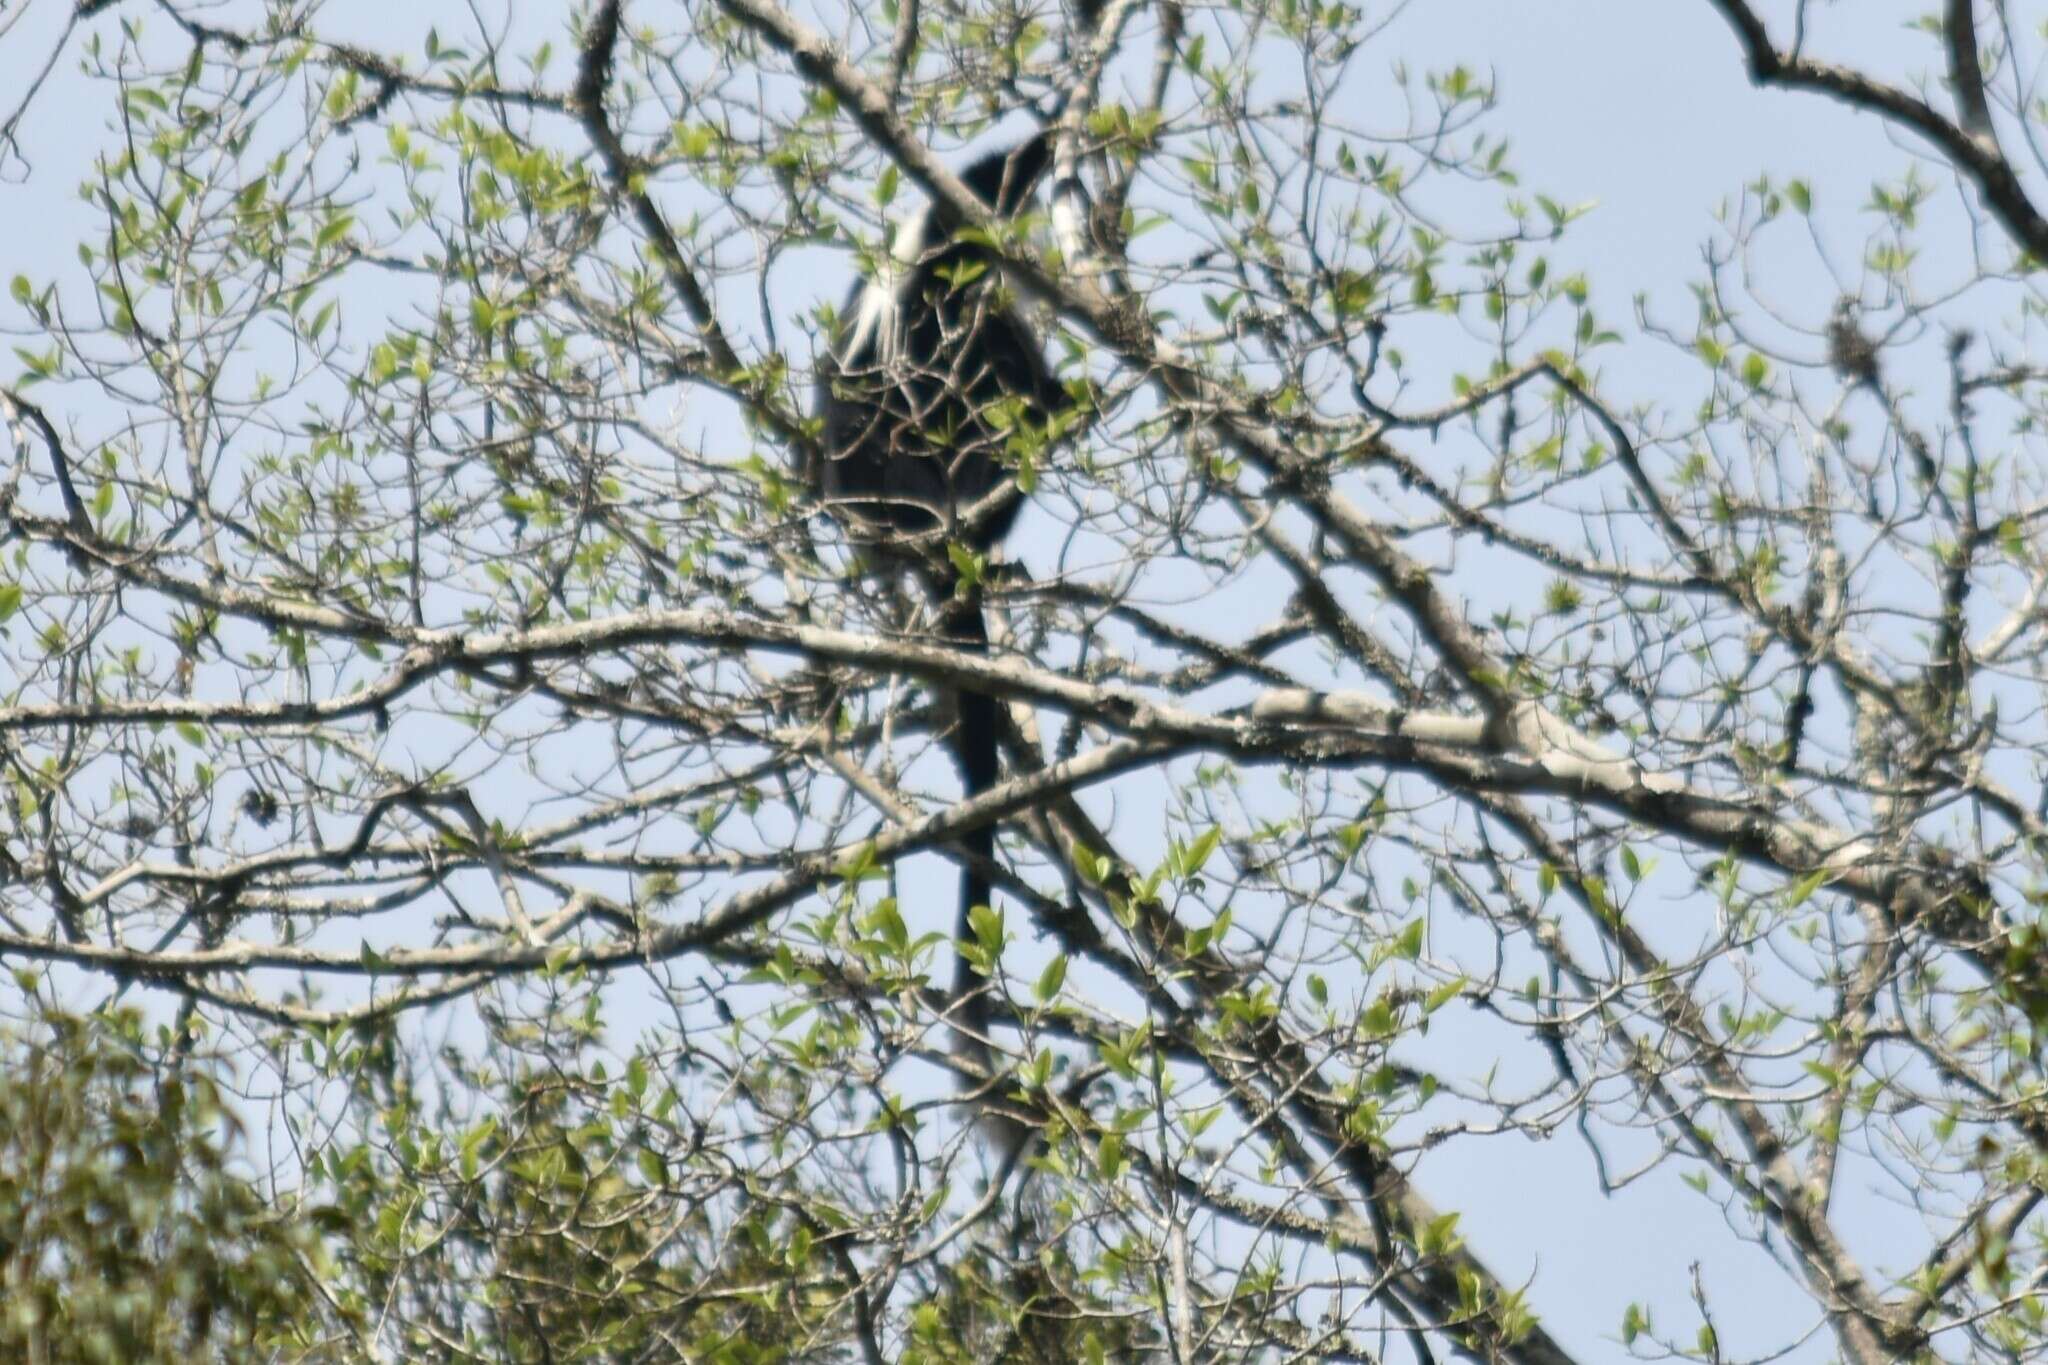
(126, 1233)
(1452, 726)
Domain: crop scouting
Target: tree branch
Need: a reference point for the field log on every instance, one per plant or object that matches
(1966, 73)
(1978, 158)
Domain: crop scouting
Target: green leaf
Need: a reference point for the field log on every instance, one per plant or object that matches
(1409, 945)
(967, 567)
(1825, 1074)
(1805, 887)
(335, 229)
(1052, 978)
(986, 925)
(1093, 867)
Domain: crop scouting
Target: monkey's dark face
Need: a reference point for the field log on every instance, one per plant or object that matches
(933, 375)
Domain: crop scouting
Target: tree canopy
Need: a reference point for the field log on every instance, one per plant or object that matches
(1450, 718)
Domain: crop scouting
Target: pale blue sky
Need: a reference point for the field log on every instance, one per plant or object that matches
(1642, 105)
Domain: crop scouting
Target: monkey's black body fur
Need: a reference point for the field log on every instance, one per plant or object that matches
(923, 363)
(919, 399)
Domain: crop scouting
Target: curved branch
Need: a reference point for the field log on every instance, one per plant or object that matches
(1976, 155)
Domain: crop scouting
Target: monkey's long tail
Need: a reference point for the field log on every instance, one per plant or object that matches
(974, 747)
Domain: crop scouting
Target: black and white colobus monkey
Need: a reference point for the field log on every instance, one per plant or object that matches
(914, 396)
(929, 376)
